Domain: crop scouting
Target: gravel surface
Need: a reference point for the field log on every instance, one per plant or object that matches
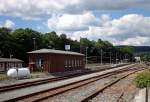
(125, 87)
(76, 95)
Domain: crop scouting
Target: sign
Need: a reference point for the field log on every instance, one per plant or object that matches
(67, 47)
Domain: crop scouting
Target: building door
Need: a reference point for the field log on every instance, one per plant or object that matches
(40, 64)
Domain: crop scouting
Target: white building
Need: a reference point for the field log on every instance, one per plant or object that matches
(137, 59)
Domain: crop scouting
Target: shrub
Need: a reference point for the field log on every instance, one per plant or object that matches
(143, 79)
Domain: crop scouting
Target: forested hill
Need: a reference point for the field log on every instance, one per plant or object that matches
(138, 49)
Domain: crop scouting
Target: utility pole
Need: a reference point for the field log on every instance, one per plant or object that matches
(116, 57)
(86, 55)
(110, 57)
(101, 57)
(80, 45)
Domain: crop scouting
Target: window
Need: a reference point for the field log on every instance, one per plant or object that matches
(69, 63)
(66, 63)
(72, 63)
(75, 63)
(80, 62)
(1, 65)
(40, 63)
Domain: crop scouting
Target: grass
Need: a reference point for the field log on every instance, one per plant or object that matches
(143, 79)
(37, 74)
(4, 77)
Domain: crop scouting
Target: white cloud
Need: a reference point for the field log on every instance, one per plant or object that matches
(76, 18)
(69, 22)
(136, 41)
(8, 24)
(35, 9)
(124, 30)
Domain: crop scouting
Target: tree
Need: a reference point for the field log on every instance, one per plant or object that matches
(21, 41)
(7, 43)
(51, 40)
(63, 41)
(25, 39)
(127, 52)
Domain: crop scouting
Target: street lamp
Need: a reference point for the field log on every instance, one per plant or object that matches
(34, 43)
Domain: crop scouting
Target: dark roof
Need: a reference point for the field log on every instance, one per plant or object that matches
(56, 52)
(10, 60)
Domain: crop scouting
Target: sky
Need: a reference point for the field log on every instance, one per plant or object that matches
(122, 22)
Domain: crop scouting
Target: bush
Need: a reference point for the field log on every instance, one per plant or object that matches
(143, 79)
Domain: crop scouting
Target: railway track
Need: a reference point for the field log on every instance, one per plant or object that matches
(38, 82)
(94, 94)
(43, 81)
(34, 97)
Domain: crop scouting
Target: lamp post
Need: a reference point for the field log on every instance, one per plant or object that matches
(34, 43)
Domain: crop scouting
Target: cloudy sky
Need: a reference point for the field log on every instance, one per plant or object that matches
(122, 22)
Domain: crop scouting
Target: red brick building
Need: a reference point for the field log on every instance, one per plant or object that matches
(50, 60)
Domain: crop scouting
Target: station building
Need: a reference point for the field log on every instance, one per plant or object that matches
(7, 63)
(51, 60)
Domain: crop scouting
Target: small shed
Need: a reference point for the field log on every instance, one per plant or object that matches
(7, 63)
(51, 60)
(137, 59)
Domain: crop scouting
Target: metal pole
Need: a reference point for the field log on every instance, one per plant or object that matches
(80, 45)
(17, 73)
(86, 54)
(116, 57)
(34, 43)
(120, 58)
(110, 57)
(101, 57)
